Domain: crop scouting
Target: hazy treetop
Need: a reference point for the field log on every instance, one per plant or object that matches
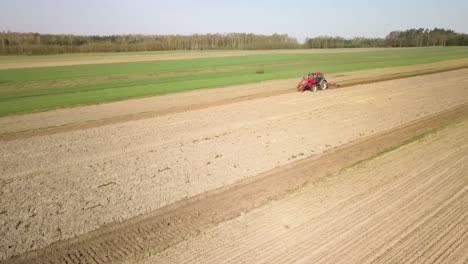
(299, 18)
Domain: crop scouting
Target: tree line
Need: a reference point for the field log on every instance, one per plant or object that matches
(424, 37)
(421, 37)
(41, 44)
(34, 43)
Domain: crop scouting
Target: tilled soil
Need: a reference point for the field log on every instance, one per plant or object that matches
(58, 186)
(152, 233)
(408, 206)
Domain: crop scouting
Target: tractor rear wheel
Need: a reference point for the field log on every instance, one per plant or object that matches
(323, 85)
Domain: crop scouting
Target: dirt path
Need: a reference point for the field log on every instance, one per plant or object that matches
(51, 61)
(59, 186)
(395, 209)
(77, 118)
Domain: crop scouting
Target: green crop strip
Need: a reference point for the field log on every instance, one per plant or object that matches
(413, 139)
(39, 89)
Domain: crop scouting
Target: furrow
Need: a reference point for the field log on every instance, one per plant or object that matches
(360, 221)
(405, 247)
(388, 195)
(395, 240)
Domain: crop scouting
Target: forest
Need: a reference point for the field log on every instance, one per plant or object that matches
(409, 38)
(15, 43)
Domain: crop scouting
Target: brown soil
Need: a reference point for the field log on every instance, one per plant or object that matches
(317, 209)
(76, 118)
(59, 186)
(395, 209)
(33, 62)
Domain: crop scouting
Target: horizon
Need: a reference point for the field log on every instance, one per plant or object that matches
(104, 18)
(211, 33)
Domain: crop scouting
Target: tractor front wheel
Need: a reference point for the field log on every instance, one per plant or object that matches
(313, 88)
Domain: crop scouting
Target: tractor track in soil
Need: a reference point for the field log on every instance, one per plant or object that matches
(49, 129)
(155, 232)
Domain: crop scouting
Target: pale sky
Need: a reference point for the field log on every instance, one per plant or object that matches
(298, 18)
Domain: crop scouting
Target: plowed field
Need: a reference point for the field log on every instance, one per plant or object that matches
(94, 185)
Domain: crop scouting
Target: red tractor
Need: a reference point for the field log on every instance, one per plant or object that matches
(314, 81)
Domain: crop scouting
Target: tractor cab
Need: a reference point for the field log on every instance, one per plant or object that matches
(317, 76)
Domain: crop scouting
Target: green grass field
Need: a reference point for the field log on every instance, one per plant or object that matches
(86, 56)
(44, 88)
